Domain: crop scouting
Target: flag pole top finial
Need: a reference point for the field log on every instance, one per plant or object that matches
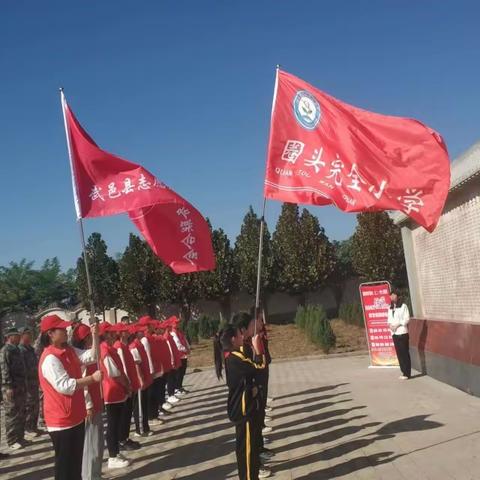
(60, 89)
(278, 66)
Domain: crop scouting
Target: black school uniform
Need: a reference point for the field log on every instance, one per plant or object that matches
(243, 410)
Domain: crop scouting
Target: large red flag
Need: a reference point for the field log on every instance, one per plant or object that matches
(323, 151)
(104, 184)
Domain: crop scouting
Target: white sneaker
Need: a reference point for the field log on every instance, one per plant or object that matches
(173, 400)
(268, 410)
(266, 430)
(117, 462)
(15, 446)
(266, 440)
(167, 406)
(156, 422)
(179, 393)
(269, 400)
(268, 419)
(32, 434)
(264, 473)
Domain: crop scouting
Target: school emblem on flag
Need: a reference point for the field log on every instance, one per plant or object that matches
(307, 109)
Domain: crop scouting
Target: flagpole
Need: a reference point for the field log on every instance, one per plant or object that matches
(78, 210)
(262, 222)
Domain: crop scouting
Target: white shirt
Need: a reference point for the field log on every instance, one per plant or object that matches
(181, 347)
(399, 316)
(146, 345)
(56, 375)
(136, 355)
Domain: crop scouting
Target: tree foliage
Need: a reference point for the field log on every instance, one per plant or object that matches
(103, 275)
(377, 249)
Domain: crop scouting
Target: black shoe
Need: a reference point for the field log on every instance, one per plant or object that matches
(128, 447)
(134, 443)
(4, 456)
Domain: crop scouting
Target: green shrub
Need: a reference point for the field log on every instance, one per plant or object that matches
(351, 313)
(192, 331)
(207, 326)
(313, 320)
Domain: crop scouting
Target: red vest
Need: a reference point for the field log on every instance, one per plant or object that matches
(94, 390)
(113, 391)
(155, 353)
(59, 410)
(144, 366)
(177, 357)
(129, 364)
(165, 352)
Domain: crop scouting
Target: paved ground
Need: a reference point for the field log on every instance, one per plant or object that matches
(333, 418)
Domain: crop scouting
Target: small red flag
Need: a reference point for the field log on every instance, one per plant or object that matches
(104, 184)
(323, 151)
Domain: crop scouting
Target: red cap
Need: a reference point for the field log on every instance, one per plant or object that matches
(136, 328)
(104, 327)
(119, 327)
(81, 332)
(146, 320)
(51, 322)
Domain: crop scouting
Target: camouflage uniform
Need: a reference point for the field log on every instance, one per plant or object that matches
(13, 378)
(32, 387)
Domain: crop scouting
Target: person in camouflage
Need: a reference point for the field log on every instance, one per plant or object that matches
(32, 384)
(13, 389)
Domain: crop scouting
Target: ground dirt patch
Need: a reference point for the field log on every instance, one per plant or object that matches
(287, 341)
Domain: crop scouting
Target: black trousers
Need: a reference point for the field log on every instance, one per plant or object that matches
(136, 412)
(402, 348)
(156, 396)
(181, 374)
(126, 420)
(171, 382)
(247, 449)
(114, 427)
(68, 446)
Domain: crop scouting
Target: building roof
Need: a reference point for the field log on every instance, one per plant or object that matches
(463, 168)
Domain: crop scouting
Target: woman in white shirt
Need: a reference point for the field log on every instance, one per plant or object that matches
(398, 318)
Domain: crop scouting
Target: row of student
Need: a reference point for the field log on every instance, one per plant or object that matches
(119, 368)
(242, 347)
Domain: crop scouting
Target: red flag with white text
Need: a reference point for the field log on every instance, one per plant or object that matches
(323, 151)
(105, 184)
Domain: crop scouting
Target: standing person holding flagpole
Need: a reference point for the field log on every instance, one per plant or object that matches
(62, 382)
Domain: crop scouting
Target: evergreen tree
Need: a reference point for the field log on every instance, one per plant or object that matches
(103, 274)
(286, 246)
(144, 280)
(377, 249)
(246, 255)
(316, 255)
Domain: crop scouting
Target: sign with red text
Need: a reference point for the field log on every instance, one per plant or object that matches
(375, 299)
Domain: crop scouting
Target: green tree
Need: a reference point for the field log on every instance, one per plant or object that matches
(219, 283)
(144, 280)
(316, 256)
(103, 274)
(246, 255)
(377, 249)
(17, 287)
(286, 246)
(343, 267)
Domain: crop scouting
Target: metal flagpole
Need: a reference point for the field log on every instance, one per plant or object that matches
(262, 223)
(78, 210)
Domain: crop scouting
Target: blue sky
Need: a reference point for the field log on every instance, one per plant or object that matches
(185, 89)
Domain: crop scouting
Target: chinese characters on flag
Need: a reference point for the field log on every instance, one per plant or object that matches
(105, 184)
(323, 151)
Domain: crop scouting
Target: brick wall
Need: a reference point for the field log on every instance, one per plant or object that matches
(448, 264)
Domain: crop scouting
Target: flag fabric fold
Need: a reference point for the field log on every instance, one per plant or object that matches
(105, 184)
(323, 151)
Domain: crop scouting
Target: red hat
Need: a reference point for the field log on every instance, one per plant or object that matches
(51, 322)
(146, 320)
(81, 332)
(119, 327)
(134, 328)
(104, 327)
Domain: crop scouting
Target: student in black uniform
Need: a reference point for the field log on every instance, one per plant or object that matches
(243, 397)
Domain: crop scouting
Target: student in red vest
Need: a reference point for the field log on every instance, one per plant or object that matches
(62, 383)
(167, 366)
(154, 354)
(94, 441)
(184, 348)
(128, 364)
(175, 361)
(116, 389)
(140, 400)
